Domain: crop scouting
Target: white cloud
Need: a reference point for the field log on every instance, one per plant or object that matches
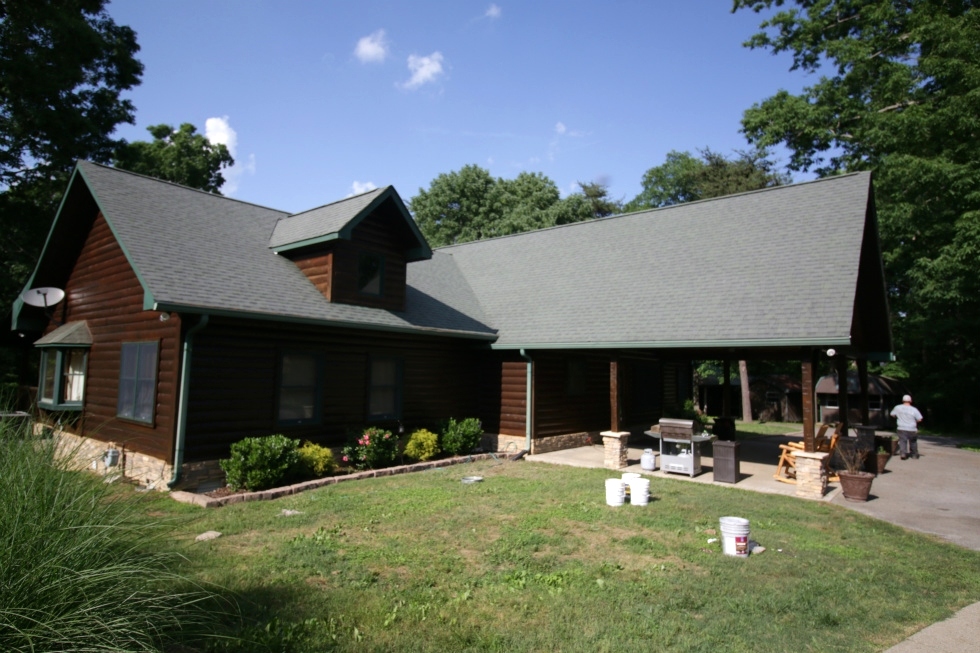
(560, 128)
(359, 187)
(219, 130)
(424, 70)
(372, 48)
(493, 12)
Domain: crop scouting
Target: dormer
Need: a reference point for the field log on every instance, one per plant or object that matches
(355, 251)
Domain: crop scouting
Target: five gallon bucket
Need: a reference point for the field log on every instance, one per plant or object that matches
(615, 491)
(639, 491)
(735, 536)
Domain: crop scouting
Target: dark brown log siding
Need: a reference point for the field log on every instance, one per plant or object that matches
(376, 234)
(235, 368)
(556, 411)
(103, 290)
(318, 268)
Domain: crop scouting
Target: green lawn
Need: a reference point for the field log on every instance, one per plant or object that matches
(532, 559)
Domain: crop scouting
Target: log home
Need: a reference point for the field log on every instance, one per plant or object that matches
(192, 320)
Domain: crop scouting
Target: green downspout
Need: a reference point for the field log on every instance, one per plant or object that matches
(185, 376)
(530, 402)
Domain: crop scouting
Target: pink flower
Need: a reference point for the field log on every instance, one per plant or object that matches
(345, 459)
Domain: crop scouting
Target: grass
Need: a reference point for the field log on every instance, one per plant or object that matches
(532, 559)
(748, 430)
(78, 570)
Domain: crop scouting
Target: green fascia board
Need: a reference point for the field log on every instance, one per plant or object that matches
(306, 243)
(288, 319)
(682, 344)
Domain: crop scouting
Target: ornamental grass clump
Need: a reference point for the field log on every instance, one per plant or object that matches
(80, 568)
(460, 438)
(261, 463)
(422, 445)
(373, 449)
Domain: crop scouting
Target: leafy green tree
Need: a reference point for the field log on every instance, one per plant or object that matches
(597, 196)
(459, 207)
(900, 97)
(528, 200)
(684, 177)
(182, 156)
(63, 67)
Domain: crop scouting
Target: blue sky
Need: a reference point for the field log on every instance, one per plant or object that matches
(318, 100)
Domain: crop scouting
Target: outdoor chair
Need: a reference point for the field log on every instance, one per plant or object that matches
(786, 467)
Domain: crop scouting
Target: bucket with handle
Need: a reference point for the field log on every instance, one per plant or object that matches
(735, 536)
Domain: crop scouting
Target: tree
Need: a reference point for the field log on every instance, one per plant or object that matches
(458, 207)
(63, 67)
(597, 196)
(182, 156)
(900, 98)
(684, 177)
(527, 201)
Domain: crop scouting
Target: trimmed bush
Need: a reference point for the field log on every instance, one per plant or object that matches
(316, 460)
(261, 463)
(422, 445)
(460, 438)
(373, 449)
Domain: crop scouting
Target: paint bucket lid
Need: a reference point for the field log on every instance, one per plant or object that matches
(472, 479)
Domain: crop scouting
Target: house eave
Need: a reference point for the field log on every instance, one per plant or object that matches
(767, 343)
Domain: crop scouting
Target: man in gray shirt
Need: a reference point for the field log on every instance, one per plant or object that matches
(908, 417)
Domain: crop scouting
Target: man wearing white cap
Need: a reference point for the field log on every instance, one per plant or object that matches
(908, 417)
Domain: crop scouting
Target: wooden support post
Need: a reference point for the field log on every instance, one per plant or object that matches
(863, 380)
(614, 403)
(809, 414)
(843, 406)
(726, 390)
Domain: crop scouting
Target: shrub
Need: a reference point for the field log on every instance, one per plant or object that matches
(422, 445)
(80, 568)
(462, 437)
(373, 449)
(316, 460)
(261, 463)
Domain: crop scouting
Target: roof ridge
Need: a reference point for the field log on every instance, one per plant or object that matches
(180, 186)
(345, 199)
(659, 208)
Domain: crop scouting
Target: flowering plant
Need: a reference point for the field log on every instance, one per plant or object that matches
(374, 448)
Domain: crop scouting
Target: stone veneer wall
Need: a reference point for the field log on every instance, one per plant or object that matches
(88, 454)
(515, 443)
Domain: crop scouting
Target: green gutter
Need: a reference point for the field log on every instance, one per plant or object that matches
(185, 377)
(529, 396)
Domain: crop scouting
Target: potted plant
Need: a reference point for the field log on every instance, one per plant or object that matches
(877, 462)
(855, 483)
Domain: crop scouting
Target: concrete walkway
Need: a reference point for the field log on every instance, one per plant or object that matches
(938, 494)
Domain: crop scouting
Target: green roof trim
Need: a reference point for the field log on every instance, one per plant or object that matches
(681, 344)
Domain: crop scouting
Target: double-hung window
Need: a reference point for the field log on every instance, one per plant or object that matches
(138, 381)
(300, 380)
(385, 389)
(62, 380)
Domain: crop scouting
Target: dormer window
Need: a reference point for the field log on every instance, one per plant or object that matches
(370, 272)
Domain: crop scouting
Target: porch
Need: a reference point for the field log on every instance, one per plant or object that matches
(758, 457)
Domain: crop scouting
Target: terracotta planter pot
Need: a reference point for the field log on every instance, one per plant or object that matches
(856, 486)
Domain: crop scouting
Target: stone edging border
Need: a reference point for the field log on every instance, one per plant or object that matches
(205, 501)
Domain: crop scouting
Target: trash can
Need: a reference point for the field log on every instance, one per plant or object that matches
(724, 428)
(725, 457)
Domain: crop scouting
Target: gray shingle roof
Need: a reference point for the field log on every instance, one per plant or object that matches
(777, 266)
(317, 223)
(195, 251)
(767, 268)
(71, 334)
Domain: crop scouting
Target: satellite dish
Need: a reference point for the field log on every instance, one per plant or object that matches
(43, 297)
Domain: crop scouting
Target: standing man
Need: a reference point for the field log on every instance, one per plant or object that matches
(908, 419)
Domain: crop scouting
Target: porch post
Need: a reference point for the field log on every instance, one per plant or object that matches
(614, 404)
(842, 404)
(863, 380)
(808, 408)
(726, 390)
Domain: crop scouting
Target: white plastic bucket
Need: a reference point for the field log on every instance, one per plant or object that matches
(735, 536)
(615, 491)
(640, 491)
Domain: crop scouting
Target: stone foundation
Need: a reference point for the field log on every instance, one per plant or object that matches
(559, 442)
(89, 454)
(510, 444)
